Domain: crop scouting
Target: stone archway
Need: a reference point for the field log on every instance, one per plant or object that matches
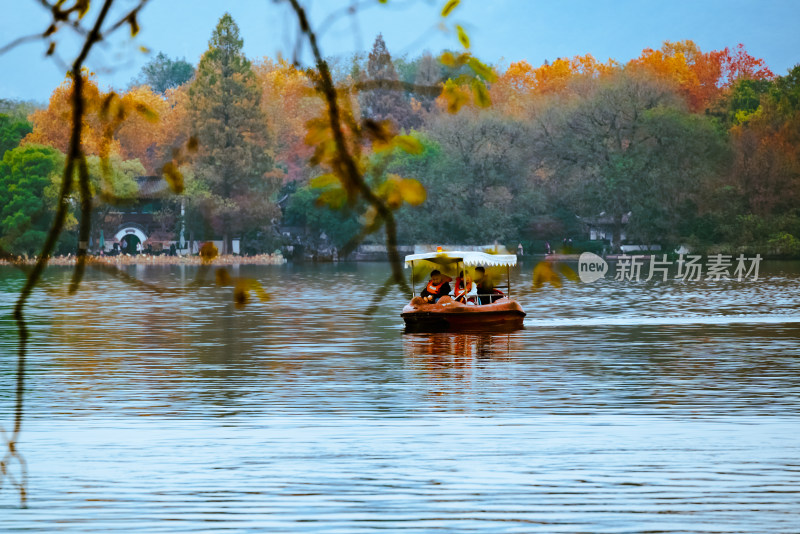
(129, 236)
(129, 243)
(128, 230)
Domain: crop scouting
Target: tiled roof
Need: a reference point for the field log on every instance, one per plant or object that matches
(152, 187)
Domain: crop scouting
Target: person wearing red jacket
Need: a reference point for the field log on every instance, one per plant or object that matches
(465, 290)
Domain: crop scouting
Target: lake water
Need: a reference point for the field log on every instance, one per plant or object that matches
(621, 407)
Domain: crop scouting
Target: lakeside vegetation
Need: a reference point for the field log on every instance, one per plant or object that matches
(675, 147)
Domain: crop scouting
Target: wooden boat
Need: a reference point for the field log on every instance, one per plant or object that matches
(504, 314)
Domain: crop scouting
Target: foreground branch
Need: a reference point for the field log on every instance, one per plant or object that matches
(328, 90)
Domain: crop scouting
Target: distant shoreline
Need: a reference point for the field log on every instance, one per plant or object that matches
(146, 259)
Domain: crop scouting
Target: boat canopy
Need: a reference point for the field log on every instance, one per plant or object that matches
(466, 257)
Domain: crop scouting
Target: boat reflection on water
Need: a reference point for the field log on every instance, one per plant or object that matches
(455, 347)
(449, 360)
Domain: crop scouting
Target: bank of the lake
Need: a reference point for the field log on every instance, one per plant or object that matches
(161, 259)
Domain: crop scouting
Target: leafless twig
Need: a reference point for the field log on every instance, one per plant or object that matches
(326, 87)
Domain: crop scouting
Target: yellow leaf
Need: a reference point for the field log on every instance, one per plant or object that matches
(449, 7)
(389, 190)
(567, 271)
(323, 152)
(173, 176)
(479, 68)
(240, 296)
(370, 216)
(83, 7)
(144, 50)
(258, 289)
(324, 180)
(208, 252)
(482, 98)
(412, 191)
(454, 96)
(394, 199)
(146, 112)
(223, 277)
(408, 143)
(335, 198)
(381, 133)
(389, 184)
(448, 59)
(318, 132)
(242, 289)
(462, 36)
(543, 273)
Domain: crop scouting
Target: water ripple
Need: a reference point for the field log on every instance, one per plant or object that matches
(666, 407)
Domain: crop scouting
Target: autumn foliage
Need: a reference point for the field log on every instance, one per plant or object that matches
(396, 127)
(136, 124)
(701, 77)
(142, 124)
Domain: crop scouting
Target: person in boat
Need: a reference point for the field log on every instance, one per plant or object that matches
(486, 292)
(466, 291)
(438, 286)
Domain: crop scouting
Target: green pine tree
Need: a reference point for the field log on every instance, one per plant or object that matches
(385, 103)
(234, 190)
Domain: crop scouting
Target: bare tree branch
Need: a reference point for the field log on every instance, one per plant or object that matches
(21, 40)
(75, 153)
(326, 87)
(127, 19)
(398, 85)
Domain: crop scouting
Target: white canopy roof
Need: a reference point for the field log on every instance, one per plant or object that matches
(465, 257)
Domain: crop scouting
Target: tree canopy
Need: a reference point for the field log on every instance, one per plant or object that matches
(234, 191)
(162, 73)
(678, 145)
(12, 131)
(28, 176)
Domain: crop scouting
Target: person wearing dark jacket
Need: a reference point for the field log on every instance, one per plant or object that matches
(486, 293)
(436, 288)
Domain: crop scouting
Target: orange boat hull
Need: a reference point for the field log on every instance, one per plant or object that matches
(502, 315)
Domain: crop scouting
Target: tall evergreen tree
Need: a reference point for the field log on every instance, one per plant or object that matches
(233, 191)
(385, 103)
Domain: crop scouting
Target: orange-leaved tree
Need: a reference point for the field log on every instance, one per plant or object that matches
(289, 102)
(52, 126)
(520, 82)
(701, 77)
(130, 124)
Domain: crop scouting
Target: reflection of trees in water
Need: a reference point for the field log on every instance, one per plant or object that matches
(12, 465)
(160, 343)
(184, 347)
